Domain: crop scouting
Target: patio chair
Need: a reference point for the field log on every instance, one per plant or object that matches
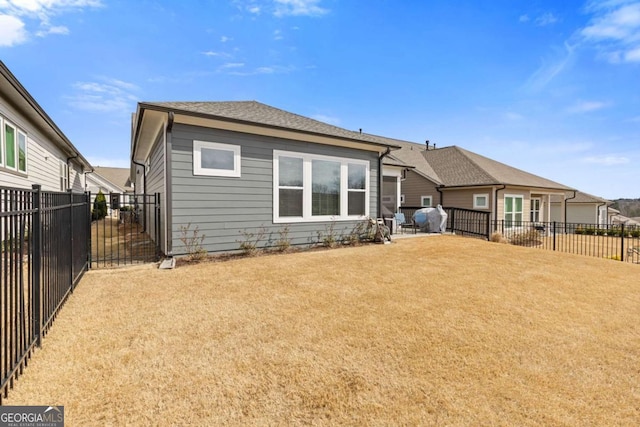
(402, 223)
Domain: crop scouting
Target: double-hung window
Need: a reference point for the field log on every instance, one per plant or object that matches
(513, 211)
(535, 209)
(310, 187)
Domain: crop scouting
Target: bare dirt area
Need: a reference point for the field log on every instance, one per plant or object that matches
(426, 331)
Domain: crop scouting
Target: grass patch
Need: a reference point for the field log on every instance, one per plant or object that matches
(429, 331)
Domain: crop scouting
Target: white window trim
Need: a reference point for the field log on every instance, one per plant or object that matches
(532, 210)
(26, 152)
(2, 154)
(423, 204)
(197, 159)
(504, 207)
(15, 145)
(402, 199)
(3, 147)
(64, 176)
(306, 188)
(476, 205)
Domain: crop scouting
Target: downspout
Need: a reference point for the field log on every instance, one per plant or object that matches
(69, 173)
(495, 205)
(565, 206)
(168, 188)
(385, 154)
(441, 194)
(606, 217)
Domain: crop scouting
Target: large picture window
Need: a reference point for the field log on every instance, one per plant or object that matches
(318, 188)
(214, 159)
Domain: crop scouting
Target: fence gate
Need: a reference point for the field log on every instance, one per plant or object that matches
(125, 229)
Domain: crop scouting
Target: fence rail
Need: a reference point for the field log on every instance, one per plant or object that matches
(45, 241)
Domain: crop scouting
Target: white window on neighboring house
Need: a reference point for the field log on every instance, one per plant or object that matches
(64, 176)
(480, 201)
(310, 187)
(426, 201)
(513, 211)
(215, 159)
(535, 209)
(13, 147)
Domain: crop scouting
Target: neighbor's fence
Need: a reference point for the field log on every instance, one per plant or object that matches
(45, 241)
(617, 242)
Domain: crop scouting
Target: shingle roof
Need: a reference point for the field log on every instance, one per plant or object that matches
(580, 197)
(258, 113)
(117, 176)
(457, 167)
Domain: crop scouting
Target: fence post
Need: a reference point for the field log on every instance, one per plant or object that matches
(622, 242)
(36, 260)
(71, 235)
(88, 215)
(488, 219)
(554, 235)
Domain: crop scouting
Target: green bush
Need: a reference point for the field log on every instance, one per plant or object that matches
(99, 207)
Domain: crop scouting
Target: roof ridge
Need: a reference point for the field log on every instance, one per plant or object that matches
(465, 153)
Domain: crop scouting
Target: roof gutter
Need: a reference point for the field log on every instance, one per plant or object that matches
(168, 185)
(438, 189)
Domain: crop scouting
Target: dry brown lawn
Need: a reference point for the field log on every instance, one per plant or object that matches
(429, 331)
(114, 242)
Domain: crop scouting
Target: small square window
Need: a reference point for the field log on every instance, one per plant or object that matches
(214, 159)
(480, 201)
(402, 199)
(426, 201)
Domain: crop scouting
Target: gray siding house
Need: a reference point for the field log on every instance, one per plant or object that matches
(232, 168)
(455, 177)
(33, 150)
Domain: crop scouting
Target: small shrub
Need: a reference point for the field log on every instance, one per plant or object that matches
(635, 233)
(250, 241)
(356, 234)
(99, 207)
(284, 242)
(329, 238)
(497, 237)
(601, 231)
(192, 241)
(589, 231)
(580, 230)
(525, 238)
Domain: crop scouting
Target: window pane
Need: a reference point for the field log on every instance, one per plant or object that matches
(290, 171)
(357, 177)
(481, 201)
(290, 202)
(10, 141)
(508, 204)
(211, 158)
(22, 152)
(518, 204)
(356, 203)
(325, 185)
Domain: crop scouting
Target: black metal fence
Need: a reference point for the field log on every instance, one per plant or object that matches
(460, 221)
(45, 241)
(129, 231)
(616, 242)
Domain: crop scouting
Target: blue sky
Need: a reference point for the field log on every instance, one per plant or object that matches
(549, 87)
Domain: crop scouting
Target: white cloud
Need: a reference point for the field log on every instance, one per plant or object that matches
(607, 160)
(232, 65)
(299, 8)
(614, 30)
(277, 35)
(16, 12)
(12, 31)
(546, 19)
(106, 95)
(523, 18)
(551, 68)
(225, 39)
(587, 106)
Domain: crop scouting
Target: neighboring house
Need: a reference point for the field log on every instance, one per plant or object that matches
(455, 177)
(236, 169)
(581, 208)
(33, 150)
(112, 182)
(617, 219)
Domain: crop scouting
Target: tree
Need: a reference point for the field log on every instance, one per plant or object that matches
(99, 207)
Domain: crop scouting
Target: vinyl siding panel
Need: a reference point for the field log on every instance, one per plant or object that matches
(43, 158)
(156, 184)
(463, 198)
(224, 207)
(415, 186)
(576, 213)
